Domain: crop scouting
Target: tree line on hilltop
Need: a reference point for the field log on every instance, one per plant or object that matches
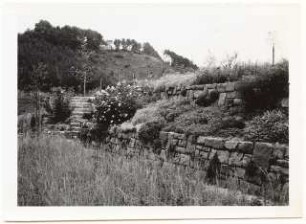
(53, 56)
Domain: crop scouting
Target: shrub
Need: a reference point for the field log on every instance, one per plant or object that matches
(115, 106)
(172, 80)
(206, 98)
(149, 131)
(217, 75)
(272, 126)
(232, 122)
(264, 91)
(61, 109)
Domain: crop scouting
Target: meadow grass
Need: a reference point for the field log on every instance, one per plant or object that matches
(54, 171)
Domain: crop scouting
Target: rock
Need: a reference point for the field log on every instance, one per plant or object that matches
(230, 86)
(246, 160)
(245, 147)
(223, 156)
(282, 163)
(235, 159)
(220, 88)
(279, 169)
(204, 155)
(222, 98)
(216, 143)
(237, 102)
(239, 172)
(231, 145)
(279, 151)
(211, 86)
(212, 153)
(163, 155)
(184, 159)
(231, 95)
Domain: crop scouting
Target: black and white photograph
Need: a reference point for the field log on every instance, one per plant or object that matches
(149, 105)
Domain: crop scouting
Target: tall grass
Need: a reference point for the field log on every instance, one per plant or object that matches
(56, 171)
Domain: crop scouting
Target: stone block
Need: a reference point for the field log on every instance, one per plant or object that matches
(282, 163)
(231, 145)
(237, 102)
(182, 150)
(235, 159)
(223, 156)
(246, 160)
(174, 141)
(230, 86)
(231, 95)
(190, 147)
(222, 98)
(196, 93)
(262, 154)
(206, 149)
(163, 155)
(204, 155)
(216, 143)
(211, 86)
(179, 136)
(220, 88)
(279, 151)
(212, 154)
(199, 147)
(245, 147)
(191, 139)
(239, 172)
(197, 152)
(279, 169)
(184, 159)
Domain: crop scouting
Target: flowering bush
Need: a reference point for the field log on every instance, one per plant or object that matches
(114, 105)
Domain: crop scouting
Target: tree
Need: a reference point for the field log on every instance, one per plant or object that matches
(135, 47)
(117, 44)
(124, 44)
(149, 50)
(178, 60)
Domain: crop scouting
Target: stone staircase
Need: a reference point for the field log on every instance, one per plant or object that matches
(79, 105)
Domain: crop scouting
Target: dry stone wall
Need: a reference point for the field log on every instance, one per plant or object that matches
(252, 165)
(228, 92)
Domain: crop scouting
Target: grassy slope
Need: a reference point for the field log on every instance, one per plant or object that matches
(124, 64)
(56, 171)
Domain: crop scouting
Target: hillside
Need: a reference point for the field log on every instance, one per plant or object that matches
(51, 56)
(121, 65)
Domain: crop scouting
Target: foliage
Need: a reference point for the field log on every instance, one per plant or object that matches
(61, 109)
(149, 50)
(207, 97)
(115, 106)
(178, 60)
(172, 80)
(264, 91)
(217, 75)
(161, 110)
(58, 49)
(60, 172)
(272, 126)
(149, 131)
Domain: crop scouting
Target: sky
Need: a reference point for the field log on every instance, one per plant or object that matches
(198, 32)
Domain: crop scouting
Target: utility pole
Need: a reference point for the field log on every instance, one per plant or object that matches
(272, 40)
(273, 54)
